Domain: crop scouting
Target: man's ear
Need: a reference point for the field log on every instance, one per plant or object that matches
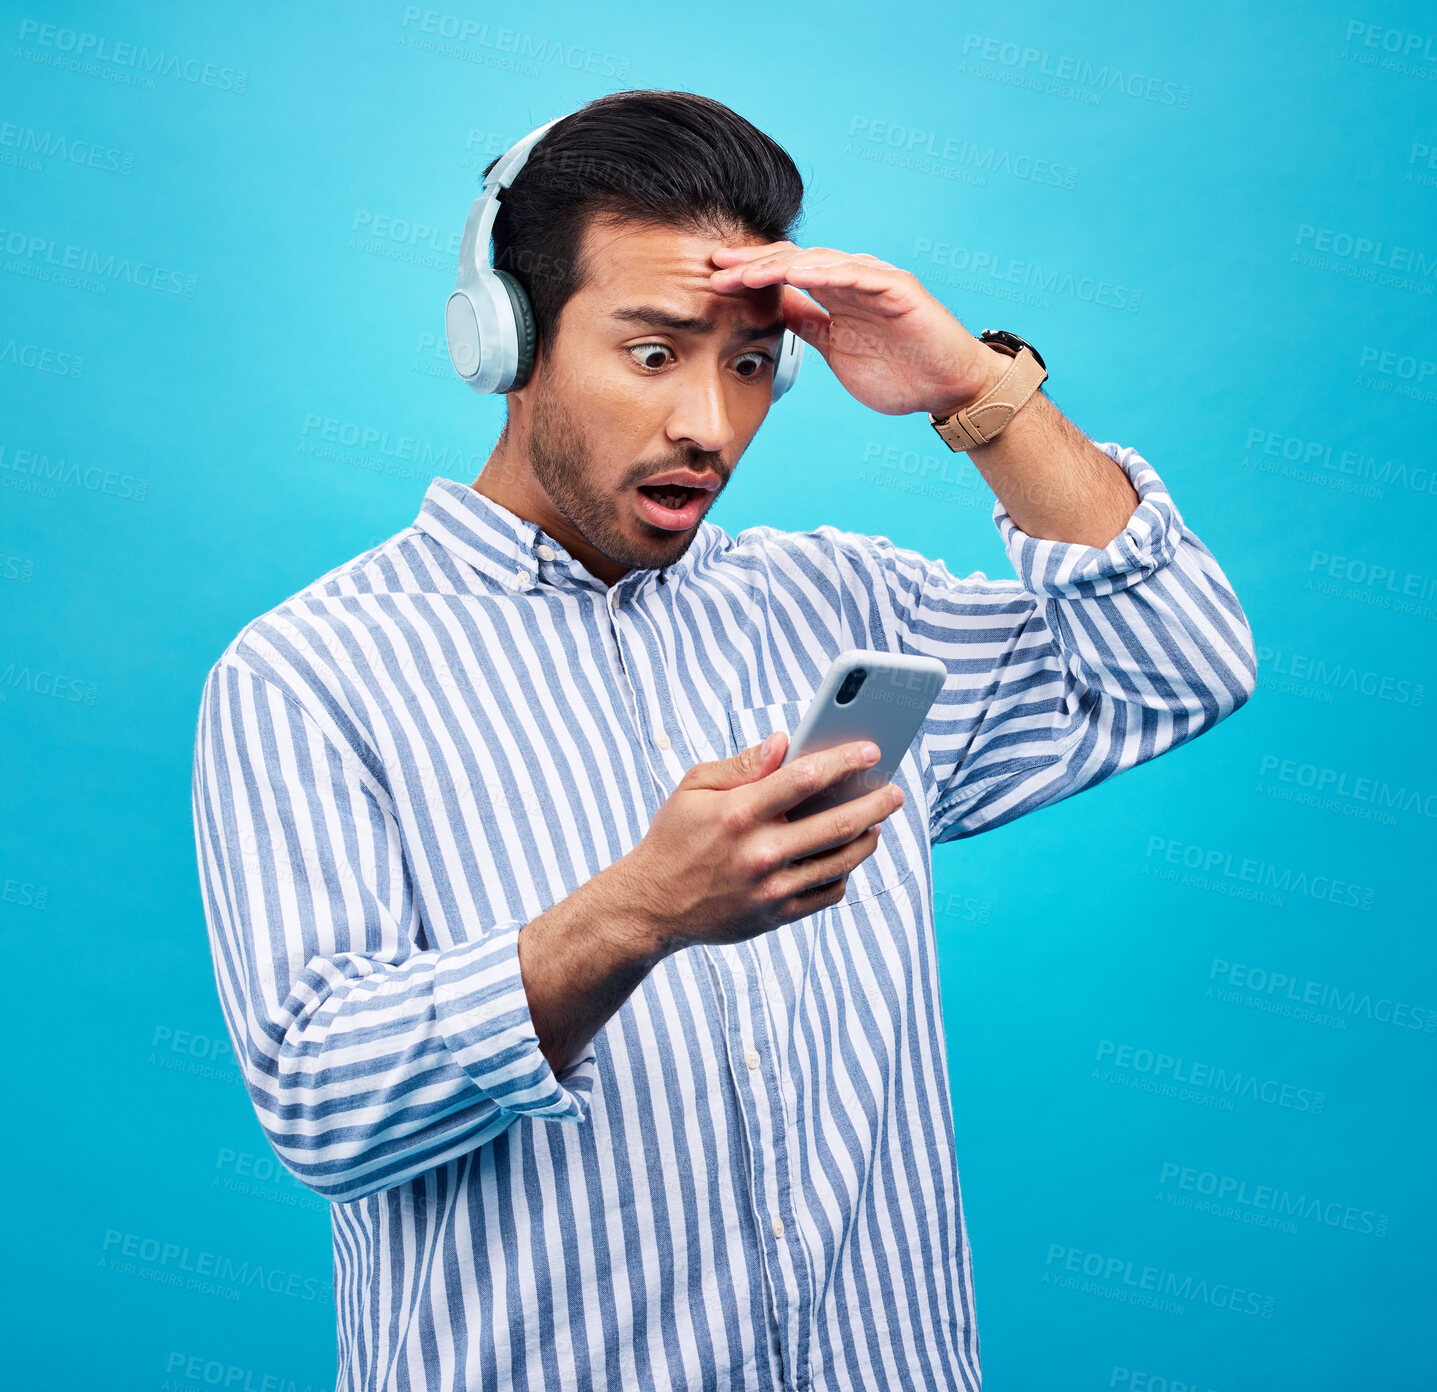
(520, 401)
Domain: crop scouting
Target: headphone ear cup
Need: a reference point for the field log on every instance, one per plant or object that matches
(526, 334)
(790, 356)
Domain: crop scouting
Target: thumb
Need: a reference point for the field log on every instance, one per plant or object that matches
(747, 766)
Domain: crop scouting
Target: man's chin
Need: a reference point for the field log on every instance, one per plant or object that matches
(652, 547)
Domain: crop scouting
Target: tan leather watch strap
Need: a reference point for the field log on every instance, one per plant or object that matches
(979, 422)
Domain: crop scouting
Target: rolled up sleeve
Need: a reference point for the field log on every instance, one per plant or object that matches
(483, 1013)
(1089, 662)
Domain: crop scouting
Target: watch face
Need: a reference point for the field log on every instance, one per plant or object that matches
(1013, 342)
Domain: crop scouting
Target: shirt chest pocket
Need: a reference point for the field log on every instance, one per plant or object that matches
(891, 862)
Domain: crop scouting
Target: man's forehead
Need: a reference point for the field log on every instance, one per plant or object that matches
(629, 264)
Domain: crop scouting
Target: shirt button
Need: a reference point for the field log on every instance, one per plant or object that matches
(613, 598)
(522, 577)
(777, 1226)
(544, 553)
(661, 739)
(751, 1058)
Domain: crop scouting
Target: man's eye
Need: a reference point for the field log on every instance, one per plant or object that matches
(650, 356)
(649, 350)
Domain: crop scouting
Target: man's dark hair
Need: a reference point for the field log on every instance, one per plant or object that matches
(655, 158)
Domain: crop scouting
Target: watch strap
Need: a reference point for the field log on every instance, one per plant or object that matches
(984, 419)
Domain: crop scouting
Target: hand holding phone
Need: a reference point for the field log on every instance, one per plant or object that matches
(880, 696)
(721, 861)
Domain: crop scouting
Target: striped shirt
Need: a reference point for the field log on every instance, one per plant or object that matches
(747, 1179)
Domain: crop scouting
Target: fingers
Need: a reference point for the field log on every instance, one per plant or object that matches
(747, 766)
(809, 837)
(811, 774)
(731, 255)
(804, 888)
(804, 266)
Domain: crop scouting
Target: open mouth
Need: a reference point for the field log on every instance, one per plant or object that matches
(673, 507)
(669, 495)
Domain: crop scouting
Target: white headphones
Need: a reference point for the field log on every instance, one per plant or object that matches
(488, 320)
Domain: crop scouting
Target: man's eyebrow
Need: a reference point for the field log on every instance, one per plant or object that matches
(654, 317)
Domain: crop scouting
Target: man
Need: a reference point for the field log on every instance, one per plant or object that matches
(615, 1077)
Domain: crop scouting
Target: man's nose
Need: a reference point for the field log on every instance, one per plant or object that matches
(700, 415)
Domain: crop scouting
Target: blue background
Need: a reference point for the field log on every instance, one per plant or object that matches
(301, 179)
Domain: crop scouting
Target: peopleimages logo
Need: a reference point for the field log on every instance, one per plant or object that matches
(1316, 461)
(1290, 989)
(915, 142)
(23, 894)
(1266, 1205)
(319, 435)
(448, 34)
(199, 1371)
(1306, 674)
(1373, 575)
(1136, 1381)
(1220, 869)
(389, 228)
(263, 1177)
(1169, 1072)
(202, 1056)
(1030, 275)
(44, 257)
(1030, 63)
(211, 1273)
(85, 52)
(41, 681)
(32, 471)
(1392, 50)
(1365, 249)
(40, 357)
(35, 146)
(1406, 367)
(1154, 1282)
(1338, 785)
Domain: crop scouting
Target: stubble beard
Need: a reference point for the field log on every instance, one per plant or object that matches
(559, 458)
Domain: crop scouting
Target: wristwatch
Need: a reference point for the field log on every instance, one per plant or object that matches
(980, 421)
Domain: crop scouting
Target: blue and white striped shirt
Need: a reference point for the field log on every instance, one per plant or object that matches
(747, 1180)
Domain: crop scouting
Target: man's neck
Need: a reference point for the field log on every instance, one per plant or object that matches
(510, 482)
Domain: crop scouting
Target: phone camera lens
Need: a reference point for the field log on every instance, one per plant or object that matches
(851, 684)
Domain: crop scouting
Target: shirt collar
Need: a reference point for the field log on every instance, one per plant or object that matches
(518, 554)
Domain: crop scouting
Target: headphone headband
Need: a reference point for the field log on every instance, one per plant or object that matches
(504, 170)
(474, 245)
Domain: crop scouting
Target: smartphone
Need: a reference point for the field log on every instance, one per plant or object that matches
(881, 696)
